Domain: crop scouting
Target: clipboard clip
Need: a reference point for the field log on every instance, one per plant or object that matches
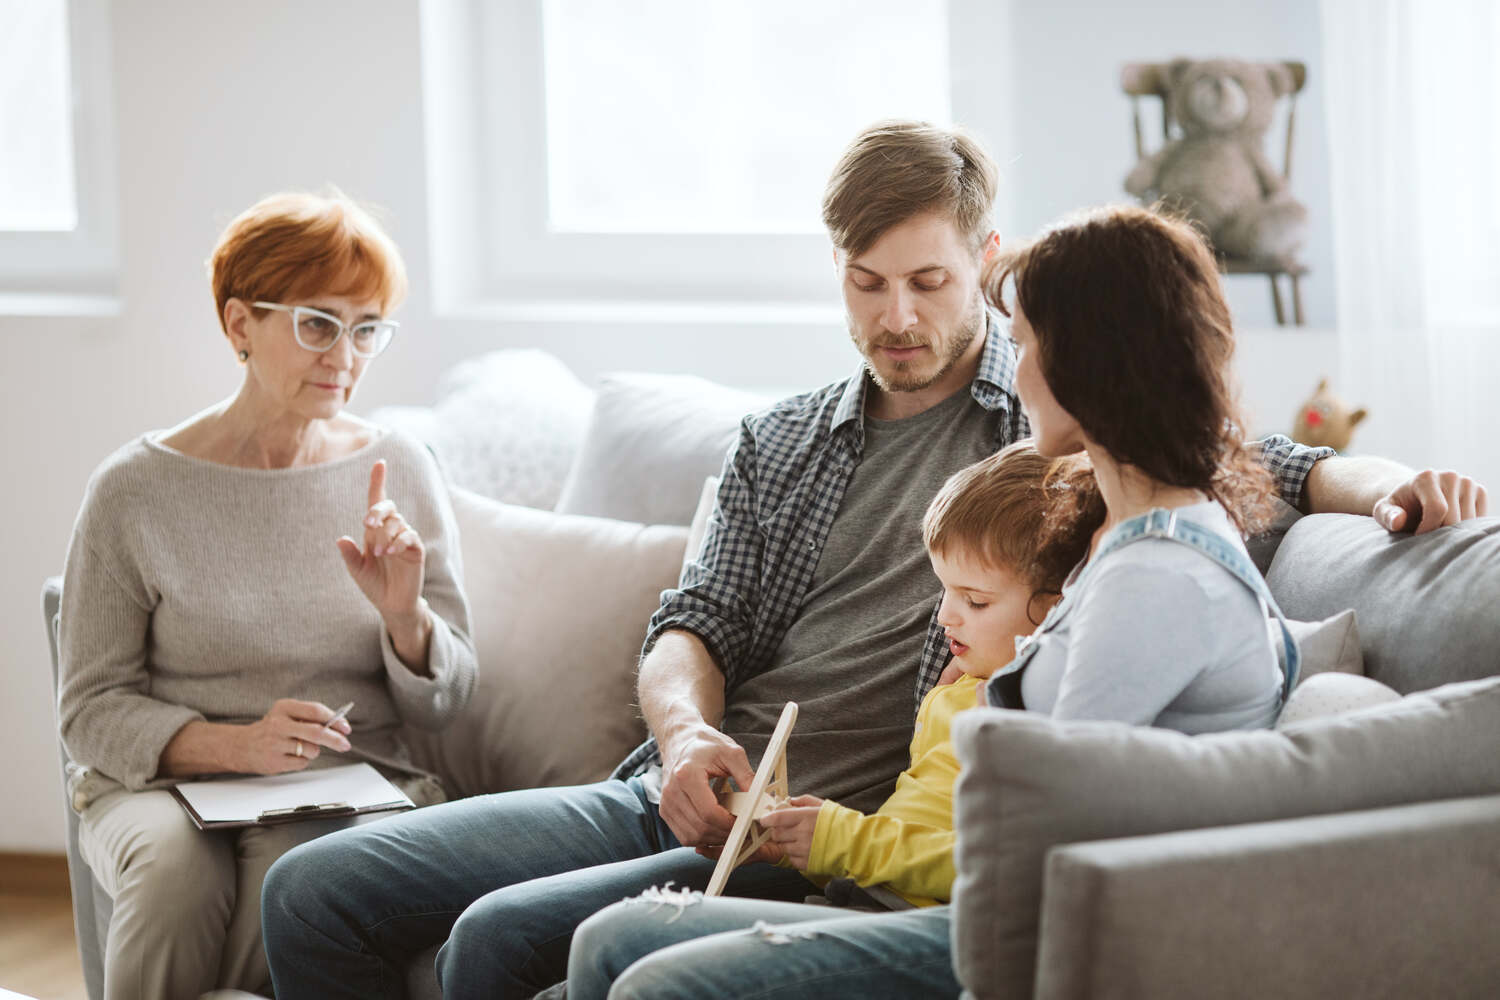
(308, 811)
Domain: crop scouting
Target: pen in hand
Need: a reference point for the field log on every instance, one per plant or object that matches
(343, 711)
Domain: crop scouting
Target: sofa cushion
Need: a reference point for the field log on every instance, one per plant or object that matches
(1426, 604)
(559, 606)
(1028, 783)
(651, 441)
(507, 425)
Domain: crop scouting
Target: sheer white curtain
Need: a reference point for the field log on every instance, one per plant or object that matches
(1413, 92)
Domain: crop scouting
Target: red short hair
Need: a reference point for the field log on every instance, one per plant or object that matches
(297, 246)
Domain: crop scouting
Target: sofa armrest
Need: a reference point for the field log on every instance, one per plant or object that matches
(1395, 902)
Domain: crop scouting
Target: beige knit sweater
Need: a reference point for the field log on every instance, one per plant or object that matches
(194, 590)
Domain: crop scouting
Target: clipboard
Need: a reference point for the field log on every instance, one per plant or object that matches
(325, 793)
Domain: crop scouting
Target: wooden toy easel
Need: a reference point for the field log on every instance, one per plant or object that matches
(767, 791)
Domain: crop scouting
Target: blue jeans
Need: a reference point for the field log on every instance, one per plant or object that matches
(503, 879)
(712, 948)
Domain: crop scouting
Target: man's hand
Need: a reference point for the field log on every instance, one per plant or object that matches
(792, 827)
(688, 803)
(1430, 500)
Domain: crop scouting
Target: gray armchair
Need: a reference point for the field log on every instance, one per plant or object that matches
(91, 905)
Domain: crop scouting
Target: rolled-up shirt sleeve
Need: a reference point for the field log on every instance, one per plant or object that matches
(1289, 464)
(719, 590)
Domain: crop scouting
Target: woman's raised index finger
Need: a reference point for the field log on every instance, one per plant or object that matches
(377, 483)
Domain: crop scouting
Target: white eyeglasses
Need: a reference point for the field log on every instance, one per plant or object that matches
(318, 331)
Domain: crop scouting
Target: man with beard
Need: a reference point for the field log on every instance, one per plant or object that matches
(812, 586)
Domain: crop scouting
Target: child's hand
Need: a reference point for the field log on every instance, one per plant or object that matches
(951, 673)
(792, 827)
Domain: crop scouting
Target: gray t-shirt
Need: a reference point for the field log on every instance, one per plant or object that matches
(850, 659)
(1160, 635)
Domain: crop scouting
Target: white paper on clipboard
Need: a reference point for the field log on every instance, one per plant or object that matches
(247, 800)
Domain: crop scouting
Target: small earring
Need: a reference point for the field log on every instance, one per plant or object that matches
(244, 356)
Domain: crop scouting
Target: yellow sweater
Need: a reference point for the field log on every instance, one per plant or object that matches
(908, 842)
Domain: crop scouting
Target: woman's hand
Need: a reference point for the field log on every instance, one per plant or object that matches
(389, 570)
(792, 827)
(289, 737)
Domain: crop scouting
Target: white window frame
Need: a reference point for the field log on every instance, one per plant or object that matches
(492, 250)
(75, 271)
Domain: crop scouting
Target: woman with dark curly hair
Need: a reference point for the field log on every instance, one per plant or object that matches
(1124, 343)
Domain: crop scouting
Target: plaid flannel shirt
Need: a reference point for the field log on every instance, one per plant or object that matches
(781, 487)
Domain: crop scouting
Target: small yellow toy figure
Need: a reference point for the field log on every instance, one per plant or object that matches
(1325, 420)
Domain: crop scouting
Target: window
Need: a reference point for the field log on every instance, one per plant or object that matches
(594, 152)
(1455, 187)
(56, 190)
(711, 139)
(36, 131)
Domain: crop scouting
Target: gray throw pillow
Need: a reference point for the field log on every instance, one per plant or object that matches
(651, 441)
(1029, 783)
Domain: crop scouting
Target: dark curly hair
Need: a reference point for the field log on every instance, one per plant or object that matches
(1134, 340)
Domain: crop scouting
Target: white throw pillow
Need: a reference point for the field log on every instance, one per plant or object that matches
(559, 606)
(1331, 645)
(507, 425)
(651, 441)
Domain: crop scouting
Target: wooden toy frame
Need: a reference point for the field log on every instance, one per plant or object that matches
(766, 791)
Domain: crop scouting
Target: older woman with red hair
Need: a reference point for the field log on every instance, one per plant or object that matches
(215, 604)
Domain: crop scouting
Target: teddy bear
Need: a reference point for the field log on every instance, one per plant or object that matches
(1215, 170)
(1325, 420)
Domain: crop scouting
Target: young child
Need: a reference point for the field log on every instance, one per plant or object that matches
(1002, 535)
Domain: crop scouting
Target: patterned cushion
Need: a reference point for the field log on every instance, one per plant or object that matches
(507, 425)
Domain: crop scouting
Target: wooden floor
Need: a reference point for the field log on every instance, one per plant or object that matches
(38, 954)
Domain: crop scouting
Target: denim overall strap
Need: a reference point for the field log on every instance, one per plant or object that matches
(1158, 523)
(1163, 523)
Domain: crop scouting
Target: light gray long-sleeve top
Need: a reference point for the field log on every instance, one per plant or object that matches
(200, 591)
(1160, 635)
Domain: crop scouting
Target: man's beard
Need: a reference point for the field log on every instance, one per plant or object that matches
(903, 379)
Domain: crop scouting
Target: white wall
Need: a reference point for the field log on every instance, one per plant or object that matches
(1071, 134)
(218, 104)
